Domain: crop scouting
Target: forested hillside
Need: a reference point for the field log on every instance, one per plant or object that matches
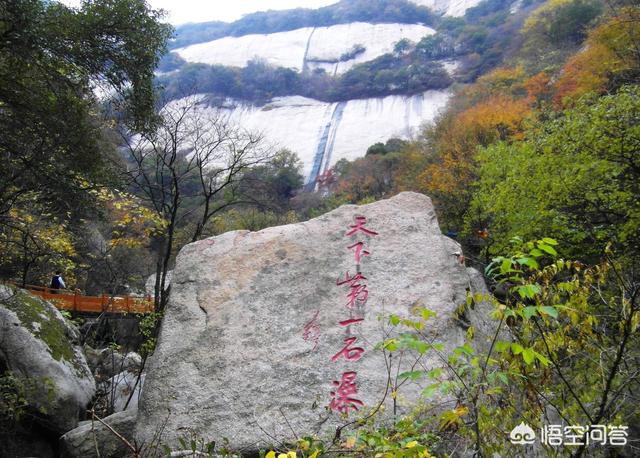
(533, 164)
(479, 40)
(341, 12)
(533, 168)
(542, 146)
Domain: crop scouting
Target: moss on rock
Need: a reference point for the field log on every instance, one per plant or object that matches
(45, 323)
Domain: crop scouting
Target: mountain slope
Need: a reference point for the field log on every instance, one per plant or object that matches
(453, 8)
(323, 133)
(342, 12)
(328, 83)
(334, 48)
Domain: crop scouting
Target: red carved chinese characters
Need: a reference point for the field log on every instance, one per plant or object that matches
(350, 321)
(348, 352)
(360, 252)
(342, 396)
(359, 227)
(358, 293)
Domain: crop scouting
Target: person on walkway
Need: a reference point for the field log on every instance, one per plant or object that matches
(57, 282)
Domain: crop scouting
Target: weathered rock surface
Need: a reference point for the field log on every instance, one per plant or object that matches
(107, 362)
(150, 284)
(478, 313)
(38, 346)
(81, 441)
(232, 360)
(120, 388)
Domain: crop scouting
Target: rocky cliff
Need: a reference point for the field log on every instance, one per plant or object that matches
(309, 47)
(322, 133)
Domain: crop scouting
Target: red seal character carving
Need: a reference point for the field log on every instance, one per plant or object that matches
(342, 397)
(311, 331)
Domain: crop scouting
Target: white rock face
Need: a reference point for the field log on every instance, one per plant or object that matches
(121, 386)
(454, 8)
(252, 336)
(334, 131)
(323, 133)
(309, 47)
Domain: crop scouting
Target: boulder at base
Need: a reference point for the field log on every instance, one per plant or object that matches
(89, 435)
(256, 330)
(38, 347)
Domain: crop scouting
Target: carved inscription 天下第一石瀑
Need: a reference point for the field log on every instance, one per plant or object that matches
(345, 390)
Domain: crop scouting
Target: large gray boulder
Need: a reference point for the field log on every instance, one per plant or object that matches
(250, 343)
(38, 346)
(83, 441)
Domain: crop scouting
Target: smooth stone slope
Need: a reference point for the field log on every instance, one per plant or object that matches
(307, 48)
(251, 342)
(342, 130)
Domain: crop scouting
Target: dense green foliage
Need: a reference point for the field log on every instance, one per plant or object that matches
(399, 73)
(562, 348)
(482, 39)
(271, 185)
(54, 145)
(575, 177)
(391, 145)
(258, 82)
(556, 30)
(51, 57)
(342, 12)
(545, 150)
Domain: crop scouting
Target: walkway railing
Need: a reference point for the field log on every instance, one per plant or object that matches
(65, 299)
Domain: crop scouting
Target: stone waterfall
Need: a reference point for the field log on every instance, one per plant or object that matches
(323, 133)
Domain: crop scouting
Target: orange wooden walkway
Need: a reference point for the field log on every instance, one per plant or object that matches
(75, 302)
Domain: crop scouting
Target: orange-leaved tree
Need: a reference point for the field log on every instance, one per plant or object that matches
(610, 58)
(455, 141)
